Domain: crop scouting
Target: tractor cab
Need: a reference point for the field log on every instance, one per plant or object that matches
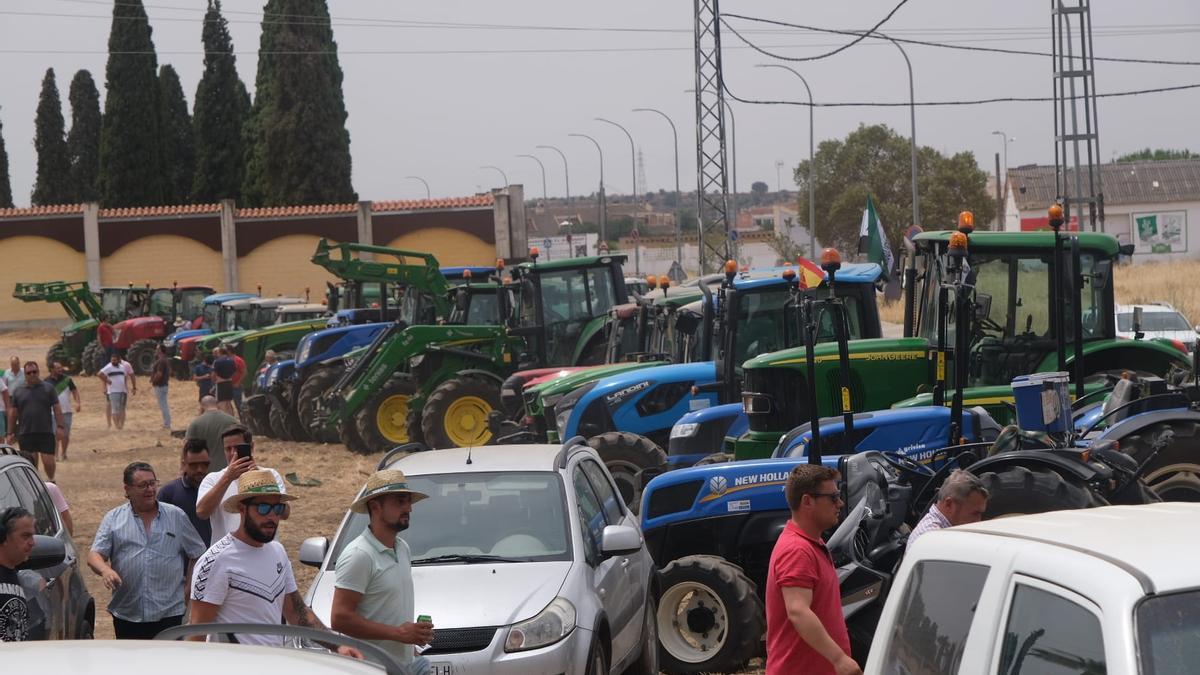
(266, 311)
(300, 312)
(124, 302)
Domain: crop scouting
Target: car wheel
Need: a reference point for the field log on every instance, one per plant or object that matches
(710, 618)
(597, 659)
(647, 662)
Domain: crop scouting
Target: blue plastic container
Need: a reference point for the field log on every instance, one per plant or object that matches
(1043, 402)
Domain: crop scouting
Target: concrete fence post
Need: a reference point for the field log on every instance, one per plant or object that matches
(229, 256)
(366, 232)
(91, 243)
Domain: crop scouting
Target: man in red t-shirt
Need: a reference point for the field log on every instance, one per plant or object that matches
(238, 375)
(805, 629)
(104, 335)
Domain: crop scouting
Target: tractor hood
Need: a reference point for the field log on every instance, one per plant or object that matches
(571, 379)
(139, 323)
(180, 335)
(872, 349)
(715, 490)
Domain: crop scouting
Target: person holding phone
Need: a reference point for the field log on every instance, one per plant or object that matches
(238, 445)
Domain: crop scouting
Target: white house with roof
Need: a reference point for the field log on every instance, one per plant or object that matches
(1154, 205)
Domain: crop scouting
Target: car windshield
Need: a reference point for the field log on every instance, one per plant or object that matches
(481, 517)
(1153, 321)
(1168, 629)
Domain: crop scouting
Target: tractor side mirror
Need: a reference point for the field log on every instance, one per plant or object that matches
(331, 295)
(983, 306)
(1137, 324)
(462, 300)
(687, 322)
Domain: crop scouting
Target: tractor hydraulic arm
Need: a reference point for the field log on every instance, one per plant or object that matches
(75, 297)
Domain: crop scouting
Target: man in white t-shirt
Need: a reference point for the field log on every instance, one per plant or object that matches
(221, 485)
(4, 403)
(246, 577)
(119, 382)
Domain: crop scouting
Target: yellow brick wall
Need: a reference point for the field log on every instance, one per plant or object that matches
(452, 247)
(282, 267)
(162, 260)
(30, 259)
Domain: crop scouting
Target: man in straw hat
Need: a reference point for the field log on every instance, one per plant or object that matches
(246, 577)
(373, 594)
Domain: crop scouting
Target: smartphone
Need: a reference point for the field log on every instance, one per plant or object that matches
(243, 450)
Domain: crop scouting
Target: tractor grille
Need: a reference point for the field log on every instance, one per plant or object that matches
(454, 640)
(833, 382)
(786, 392)
(673, 498)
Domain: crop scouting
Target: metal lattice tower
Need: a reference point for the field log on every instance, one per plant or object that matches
(1076, 135)
(712, 190)
(641, 173)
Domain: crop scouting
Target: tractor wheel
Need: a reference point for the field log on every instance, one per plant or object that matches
(1174, 473)
(141, 356)
(249, 420)
(58, 352)
(348, 434)
(1017, 490)
(382, 422)
(415, 433)
(257, 417)
(277, 418)
(456, 413)
(311, 391)
(710, 618)
(626, 455)
(716, 458)
(297, 430)
(93, 356)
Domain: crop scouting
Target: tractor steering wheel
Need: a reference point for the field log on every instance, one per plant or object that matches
(903, 462)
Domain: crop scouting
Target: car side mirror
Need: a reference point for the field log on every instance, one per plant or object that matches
(313, 550)
(47, 552)
(620, 540)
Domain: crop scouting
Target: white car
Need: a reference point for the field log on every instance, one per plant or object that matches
(1104, 590)
(1158, 320)
(525, 558)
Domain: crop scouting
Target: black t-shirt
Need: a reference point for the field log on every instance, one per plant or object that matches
(178, 493)
(14, 608)
(225, 368)
(35, 405)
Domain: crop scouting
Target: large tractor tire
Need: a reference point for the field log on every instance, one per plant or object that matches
(710, 619)
(141, 356)
(1174, 473)
(1019, 490)
(415, 433)
(256, 415)
(58, 353)
(715, 458)
(277, 419)
(93, 358)
(627, 455)
(382, 422)
(311, 391)
(349, 436)
(456, 413)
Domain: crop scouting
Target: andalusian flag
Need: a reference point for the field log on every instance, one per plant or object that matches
(811, 274)
(873, 241)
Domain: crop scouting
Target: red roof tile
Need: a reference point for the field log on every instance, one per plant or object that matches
(432, 204)
(34, 211)
(291, 211)
(158, 211)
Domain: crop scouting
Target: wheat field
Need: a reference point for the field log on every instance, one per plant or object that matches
(1173, 282)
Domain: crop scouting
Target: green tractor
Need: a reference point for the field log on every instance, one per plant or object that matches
(1013, 275)
(439, 384)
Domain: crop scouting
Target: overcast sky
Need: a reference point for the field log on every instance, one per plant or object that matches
(441, 101)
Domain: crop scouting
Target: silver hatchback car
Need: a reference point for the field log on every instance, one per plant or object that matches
(526, 558)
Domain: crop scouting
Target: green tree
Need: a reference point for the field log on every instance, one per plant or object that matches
(1146, 154)
(6, 201)
(53, 182)
(130, 155)
(297, 145)
(83, 141)
(222, 106)
(178, 145)
(875, 160)
(759, 188)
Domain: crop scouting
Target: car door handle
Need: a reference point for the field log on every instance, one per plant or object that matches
(624, 563)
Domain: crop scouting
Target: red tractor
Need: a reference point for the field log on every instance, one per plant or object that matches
(167, 310)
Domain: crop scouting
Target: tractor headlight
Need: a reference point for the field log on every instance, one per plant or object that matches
(551, 401)
(755, 403)
(169, 343)
(305, 348)
(686, 430)
(561, 417)
(272, 376)
(416, 361)
(549, 626)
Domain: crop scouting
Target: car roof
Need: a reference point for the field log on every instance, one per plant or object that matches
(1151, 541)
(1147, 308)
(105, 657)
(533, 457)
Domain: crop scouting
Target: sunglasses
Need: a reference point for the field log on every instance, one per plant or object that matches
(264, 508)
(832, 496)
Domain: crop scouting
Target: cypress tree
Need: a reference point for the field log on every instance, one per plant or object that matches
(6, 201)
(178, 145)
(83, 141)
(130, 155)
(222, 106)
(53, 183)
(299, 148)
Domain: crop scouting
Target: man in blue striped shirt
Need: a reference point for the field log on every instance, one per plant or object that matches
(144, 552)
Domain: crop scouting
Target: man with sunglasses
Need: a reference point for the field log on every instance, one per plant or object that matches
(144, 552)
(962, 499)
(806, 632)
(35, 419)
(246, 577)
(219, 486)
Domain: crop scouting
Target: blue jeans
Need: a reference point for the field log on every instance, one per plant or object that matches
(419, 666)
(160, 393)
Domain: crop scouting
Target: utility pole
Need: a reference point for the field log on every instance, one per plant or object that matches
(712, 190)
(999, 199)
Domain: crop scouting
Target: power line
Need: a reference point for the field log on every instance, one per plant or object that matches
(925, 43)
(1002, 99)
(849, 44)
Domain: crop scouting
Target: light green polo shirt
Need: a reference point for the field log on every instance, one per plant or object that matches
(384, 577)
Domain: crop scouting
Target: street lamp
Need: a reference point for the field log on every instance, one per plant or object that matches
(812, 179)
(1006, 140)
(543, 166)
(632, 154)
(678, 196)
(912, 113)
(600, 204)
(566, 171)
(497, 170)
(566, 225)
(422, 183)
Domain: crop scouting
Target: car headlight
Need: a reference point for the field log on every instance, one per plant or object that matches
(684, 430)
(549, 626)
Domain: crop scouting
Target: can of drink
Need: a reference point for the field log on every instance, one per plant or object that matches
(424, 618)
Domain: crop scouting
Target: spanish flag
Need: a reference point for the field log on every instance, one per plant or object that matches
(811, 274)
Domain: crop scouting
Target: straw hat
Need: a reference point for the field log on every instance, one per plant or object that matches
(256, 483)
(385, 481)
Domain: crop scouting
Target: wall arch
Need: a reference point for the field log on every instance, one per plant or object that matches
(282, 265)
(452, 247)
(162, 259)
(32, 259)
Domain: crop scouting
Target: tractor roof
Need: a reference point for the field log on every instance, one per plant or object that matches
(457, 272)
(302, 308)
(278, 301)
(1105, 243)
(568, 263)
(238, 303)
(850, 273)
(218, 298)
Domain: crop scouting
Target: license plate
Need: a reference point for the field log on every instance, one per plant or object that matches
(441, 669)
